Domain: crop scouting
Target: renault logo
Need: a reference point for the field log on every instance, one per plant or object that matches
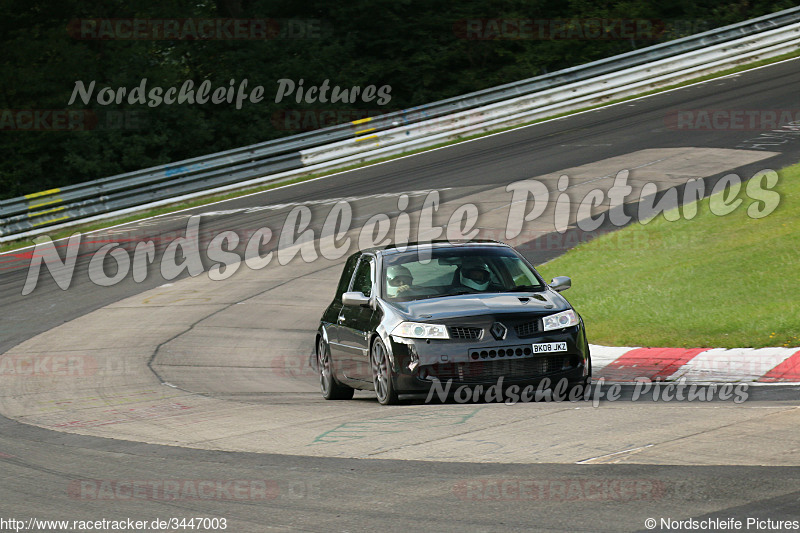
(498, 331)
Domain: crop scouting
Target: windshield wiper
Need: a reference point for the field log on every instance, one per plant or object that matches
(459, 293)
(525, 288)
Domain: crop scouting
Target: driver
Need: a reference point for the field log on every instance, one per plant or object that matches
(399, 280)
(474, 274)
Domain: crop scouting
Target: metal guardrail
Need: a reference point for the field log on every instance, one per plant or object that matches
(399, 131)
(564, 98)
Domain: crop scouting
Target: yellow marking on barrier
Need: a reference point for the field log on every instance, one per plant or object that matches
(364, 131)
(361, 120)
(43, 193)
(65, 217)
(31, 207)
(359, 139)
(40, 213)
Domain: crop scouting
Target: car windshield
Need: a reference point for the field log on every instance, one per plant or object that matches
(451, 271)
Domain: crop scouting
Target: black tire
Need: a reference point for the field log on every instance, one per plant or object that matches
(331, 389)
(583, 389)
(382, 374)
(585, 385)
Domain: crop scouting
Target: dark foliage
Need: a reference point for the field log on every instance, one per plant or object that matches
(418, 48)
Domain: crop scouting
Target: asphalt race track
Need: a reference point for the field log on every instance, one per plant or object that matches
(183, 397)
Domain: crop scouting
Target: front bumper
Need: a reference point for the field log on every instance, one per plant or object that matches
(417, 362)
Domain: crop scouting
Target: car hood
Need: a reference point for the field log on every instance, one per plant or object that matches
(481, 304)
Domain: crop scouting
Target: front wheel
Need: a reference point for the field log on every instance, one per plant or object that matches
(331, 390)
(583, 388)
(580, 390)
(382, 374)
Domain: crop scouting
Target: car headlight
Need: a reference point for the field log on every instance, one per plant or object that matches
(560, 320)
(418, 330)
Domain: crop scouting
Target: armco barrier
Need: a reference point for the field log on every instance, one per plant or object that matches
(565, 98)
(398, 132)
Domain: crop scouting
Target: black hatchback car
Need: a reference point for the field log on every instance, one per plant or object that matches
(404, 317)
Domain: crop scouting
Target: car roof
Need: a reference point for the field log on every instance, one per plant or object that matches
(412, 246)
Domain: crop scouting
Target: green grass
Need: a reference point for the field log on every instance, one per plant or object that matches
(712, 281)
(14, 245)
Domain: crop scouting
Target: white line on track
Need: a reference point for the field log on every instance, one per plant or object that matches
(632, 450)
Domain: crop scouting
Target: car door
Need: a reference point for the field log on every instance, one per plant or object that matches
(331, 319)
(354, 324)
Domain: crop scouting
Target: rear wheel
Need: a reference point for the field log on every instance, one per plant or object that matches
(382, 374)
(331, 390)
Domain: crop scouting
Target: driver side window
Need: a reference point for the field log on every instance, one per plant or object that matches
(363, 279)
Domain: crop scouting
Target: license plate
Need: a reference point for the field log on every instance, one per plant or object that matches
(549, 347)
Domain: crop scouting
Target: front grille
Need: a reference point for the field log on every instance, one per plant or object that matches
(491, 371)
(465, 333)
(527, 329)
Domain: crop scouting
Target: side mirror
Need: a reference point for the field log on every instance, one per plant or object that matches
(355, 298)
(560, 283)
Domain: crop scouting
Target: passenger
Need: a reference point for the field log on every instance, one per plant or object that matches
(400, 283)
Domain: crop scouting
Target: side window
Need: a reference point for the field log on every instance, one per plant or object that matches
(347, 275)
(363, 279)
